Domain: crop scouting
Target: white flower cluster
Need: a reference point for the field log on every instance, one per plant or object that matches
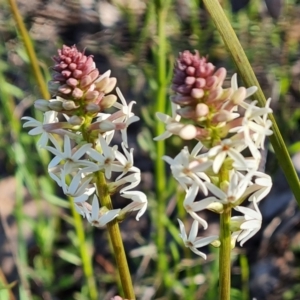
(197, 171)
(75, 164)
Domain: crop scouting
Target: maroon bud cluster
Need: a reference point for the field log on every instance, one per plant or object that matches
(194, 78)
(77, 79)
(74, 73)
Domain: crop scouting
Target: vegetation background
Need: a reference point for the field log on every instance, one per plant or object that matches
(46, 250)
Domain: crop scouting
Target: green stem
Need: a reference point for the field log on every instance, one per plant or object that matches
(231, 41)
(160, 145)
(116, 239)
(30, 50)
(224, 255)
(84, 253)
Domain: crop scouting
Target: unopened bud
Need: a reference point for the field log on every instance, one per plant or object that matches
(77, 93)
(92, 108)
(94, 74)
(108, 101)
(101, 84)
(212, 82)
(53, 86)
(56, 105)
(187, 112)
(216, 243)
(42, 105)
(182, 100)
(72, 82)
(188, 132)
(221, 74)
(190, 80)
(111, 85)
(105, 126)
(202, 110)
(239, 96)
(85, 81)
(69, 105)
(197, 93)
(65, 89)
(75, 120)
(216, 207)
(91, 95)
(214, 95)
(224, 116)
(200, 83)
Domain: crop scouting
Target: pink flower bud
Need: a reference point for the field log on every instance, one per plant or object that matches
(201, 110)
(91, 95)
(197, 93)
(77, 93)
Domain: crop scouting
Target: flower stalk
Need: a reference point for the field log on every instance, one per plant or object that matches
(225, 254)
(116, 239)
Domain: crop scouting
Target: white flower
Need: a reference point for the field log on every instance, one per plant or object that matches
(187, 169)
(49, 118)
(226, 148)
(127, 117)
(236, 189)
(134, 179)
(72, 156)
(170, 122)
(106, 159)
(79, 186)
(250, 222)
(255, 126)
(261, 127)
(192, 241)
(192, 207)
(86, 194)
(139, 202)
(261, 187)
(96, 217)
(126, 162)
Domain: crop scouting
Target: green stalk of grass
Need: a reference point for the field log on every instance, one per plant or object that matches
(161, 8)
(29, 48)
(84, 253)
(244, 276)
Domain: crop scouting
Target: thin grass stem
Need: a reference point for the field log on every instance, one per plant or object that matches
(29, 49)
(84, 253)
